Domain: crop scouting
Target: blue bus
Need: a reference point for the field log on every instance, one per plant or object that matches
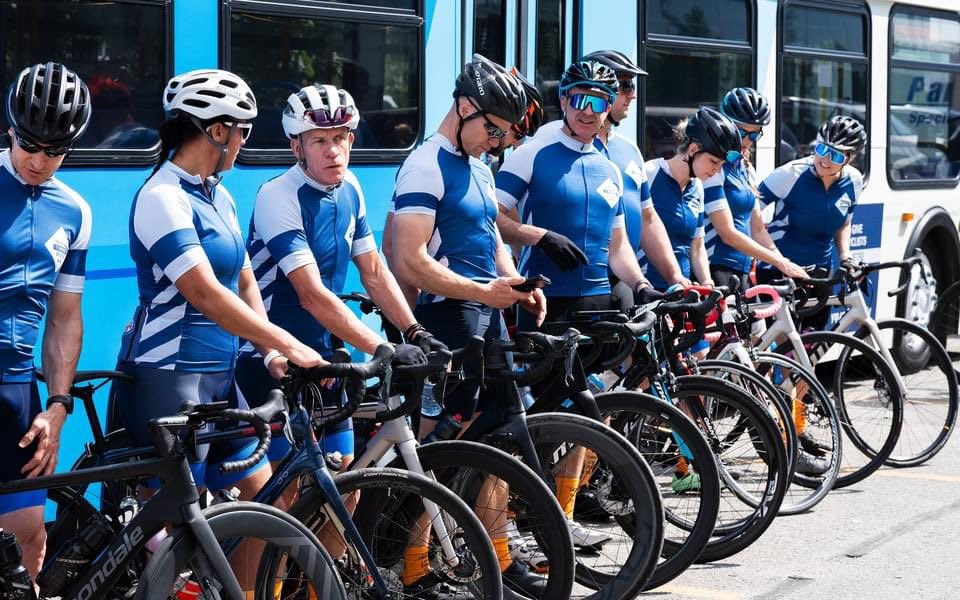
(893, 65)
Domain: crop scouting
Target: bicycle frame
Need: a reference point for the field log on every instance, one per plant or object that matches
(177, 502)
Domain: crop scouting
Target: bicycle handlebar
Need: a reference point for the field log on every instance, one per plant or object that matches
(766, 290)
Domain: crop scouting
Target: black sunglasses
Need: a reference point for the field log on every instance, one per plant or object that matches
(627, 85)
(31, 148)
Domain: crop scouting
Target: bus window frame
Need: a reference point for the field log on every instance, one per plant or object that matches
(691, 44)
(110, 157)
(899, 184)
(319, 10)
(858, 7)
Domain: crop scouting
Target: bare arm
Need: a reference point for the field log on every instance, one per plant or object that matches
(656, 245)
(249, 292)
(758, 229)
(699, 262)
(418, 269)
(515, 232)
(623, 261)
(409, 293)
(384, 290)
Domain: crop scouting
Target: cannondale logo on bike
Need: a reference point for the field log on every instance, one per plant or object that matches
(115, 556)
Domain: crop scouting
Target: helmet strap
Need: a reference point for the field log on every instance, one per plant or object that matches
(689, 160)
(214, 179)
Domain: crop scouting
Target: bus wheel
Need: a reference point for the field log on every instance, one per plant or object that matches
(910, 351)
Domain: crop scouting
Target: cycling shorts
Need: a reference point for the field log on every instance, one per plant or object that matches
(159, 393)
(254, 383)
(19, 404)
(454, 322)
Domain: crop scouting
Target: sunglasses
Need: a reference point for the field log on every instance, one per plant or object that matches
(522, 128)
(245, 128)
(836, 157)
(31, 148)
(492, 130)
(596, 103)
(751, 135)
(627, 85)
(321, 117)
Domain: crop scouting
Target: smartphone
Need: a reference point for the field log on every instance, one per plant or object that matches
(532, 283)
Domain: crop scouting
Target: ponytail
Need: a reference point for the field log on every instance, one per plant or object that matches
(680, 136)
(174, 134)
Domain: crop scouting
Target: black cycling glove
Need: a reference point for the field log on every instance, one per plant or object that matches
(645, 294)
(562, 251)
(408, 354)
(427, 342)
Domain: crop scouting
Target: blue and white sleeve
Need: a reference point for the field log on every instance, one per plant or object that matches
(73, 270)
(163, 222)
(714, 198)
(513, 178)
(278, 221)
(419, 186)
(363, 240)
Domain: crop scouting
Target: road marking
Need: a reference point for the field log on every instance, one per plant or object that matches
(697, 592)
(922, 476)
(900, 530)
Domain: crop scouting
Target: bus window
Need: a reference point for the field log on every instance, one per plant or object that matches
(119, 48)
(824, 72)
(687, 69)
(489, 29)
(377, 62)
(924, 115)
(550, 54)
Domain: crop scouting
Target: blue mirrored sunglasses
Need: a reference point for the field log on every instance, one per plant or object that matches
(836, 157)
(733, 156)
(596, 103)
(751, 135)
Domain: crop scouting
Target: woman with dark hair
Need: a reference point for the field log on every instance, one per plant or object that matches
(197, 290)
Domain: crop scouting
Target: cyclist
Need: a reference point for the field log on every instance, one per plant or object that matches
(815, 198)
(42, 263)
(306, 226)
(705, 142)
(735, 233)
(558, 188)
(639, 215)
(445, 243)
(197, 290)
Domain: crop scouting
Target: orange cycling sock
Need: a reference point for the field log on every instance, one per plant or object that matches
(589, 464)
(502, 549)
(800, 416)
(416, 564)
(567, 493)
(683, 467)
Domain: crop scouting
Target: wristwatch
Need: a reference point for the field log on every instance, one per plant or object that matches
(64, 399)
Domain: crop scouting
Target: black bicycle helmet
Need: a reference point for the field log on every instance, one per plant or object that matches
(590, 74)
(533, 118)
(618, 61)
(494, 90)
(48, 104)
(714, 132)
(843, 133)
(746, 105)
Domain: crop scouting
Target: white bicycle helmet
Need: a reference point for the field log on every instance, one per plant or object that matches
(209, 93)
(319, 107)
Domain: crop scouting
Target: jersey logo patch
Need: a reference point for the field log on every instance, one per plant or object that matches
(635, 173)
(843, 204)
(609, 192)
(348, 235)
(57, 245)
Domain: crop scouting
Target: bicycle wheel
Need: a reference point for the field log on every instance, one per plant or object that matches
(532, 520)
(930, 402)
(668, 440)
(391, 502)
(818, 431)
(868, 401)
(751, 459)
(945, 320)
(625, 488)
(306, 569)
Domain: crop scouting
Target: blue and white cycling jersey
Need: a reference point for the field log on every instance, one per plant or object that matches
(571, 188)
(730, 189)
(807, 216)
(636, 189)
(297, 222)
(681, 212)
(43, 247)
(436, 180)
(175, 226)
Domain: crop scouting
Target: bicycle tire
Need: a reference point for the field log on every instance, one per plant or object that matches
(821, 417)
(945, 320)
(926, 425)
(652, 427)
(460, 465)
(391, 500)
(738, 527)
(246, 520)
(632, 490)
(857, 361)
